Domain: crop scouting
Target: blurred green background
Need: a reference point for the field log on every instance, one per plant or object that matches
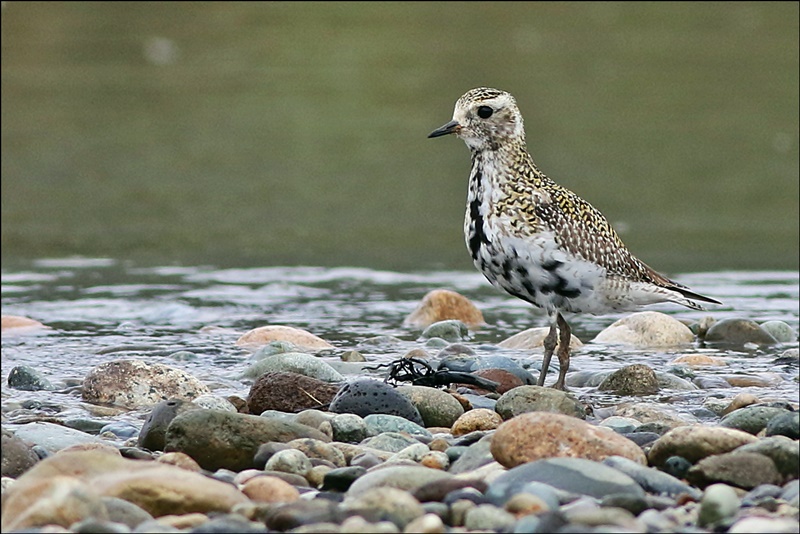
(246, 134)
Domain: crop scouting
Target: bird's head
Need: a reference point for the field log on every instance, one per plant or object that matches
(485, 119)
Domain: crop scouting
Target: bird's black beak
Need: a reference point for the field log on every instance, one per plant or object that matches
(450, 127)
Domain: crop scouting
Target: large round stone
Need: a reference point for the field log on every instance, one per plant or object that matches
(536, 435)
(443, 304)
(289, 392)
(363, 397)
(697, 442)
(646, 329)
(135, 384)
(217, 439)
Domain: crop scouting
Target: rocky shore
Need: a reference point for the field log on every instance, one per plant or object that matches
(311, 447)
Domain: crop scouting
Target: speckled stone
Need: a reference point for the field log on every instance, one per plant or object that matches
(366, 396)
(636, 379)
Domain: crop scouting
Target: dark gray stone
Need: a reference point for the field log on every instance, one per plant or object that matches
(786, 424)
(365, 396)
(476, 455)
(751, 419)
(340, 479)
(27, 378)
(650, 479)
(575, 475)
(154, 429)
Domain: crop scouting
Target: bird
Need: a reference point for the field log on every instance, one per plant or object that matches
(537, 240)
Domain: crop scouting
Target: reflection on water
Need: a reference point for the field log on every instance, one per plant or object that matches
(102, 311)
(246, 134)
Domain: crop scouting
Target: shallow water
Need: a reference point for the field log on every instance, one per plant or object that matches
(103, 310)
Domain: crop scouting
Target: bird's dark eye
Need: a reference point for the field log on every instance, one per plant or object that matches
(485, 112)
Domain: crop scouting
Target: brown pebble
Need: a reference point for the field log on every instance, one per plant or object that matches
(478, 419)
(740, 401)
(523, 504)
(443, 304)
(270, 489)
(180, 459)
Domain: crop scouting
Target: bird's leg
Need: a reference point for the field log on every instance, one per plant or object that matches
(565, 336)
(549, 347)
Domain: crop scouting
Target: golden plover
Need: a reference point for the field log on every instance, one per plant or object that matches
(537, 240)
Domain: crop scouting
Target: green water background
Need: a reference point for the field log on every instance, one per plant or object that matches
(245, 134)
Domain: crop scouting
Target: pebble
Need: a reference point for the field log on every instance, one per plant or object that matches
(784, 453)
(384, 503)
(781, 331)
(477, 419)
(488, 517)
(650, 479)
(389, 441)
(697, 442)
(154, 430)
(526, 399)
(365, 396)
(425, 460)
(536, 435)
(575, 475)
(620, 425)
(718, 505)
(444, 304)
(137, 384)
(18, 456)
(738, 332)
(645, 330)
(505, 379)
(54, 438)
(289, 461)
(404, 477)
(699, 360)
(742, 469)
(533, 338)
(379, 423)
(19, 323)
(288, 392)
(316, 449)
(27, 378)
(294, 362)
(342, 478)
(258, 337)
(786, 424)
(348, 428)
(752, 419)
(636, 379)
(266, 488)
(230, 440)
(449, 330)
(435, 406)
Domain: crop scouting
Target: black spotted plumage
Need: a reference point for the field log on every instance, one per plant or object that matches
(539, 241)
